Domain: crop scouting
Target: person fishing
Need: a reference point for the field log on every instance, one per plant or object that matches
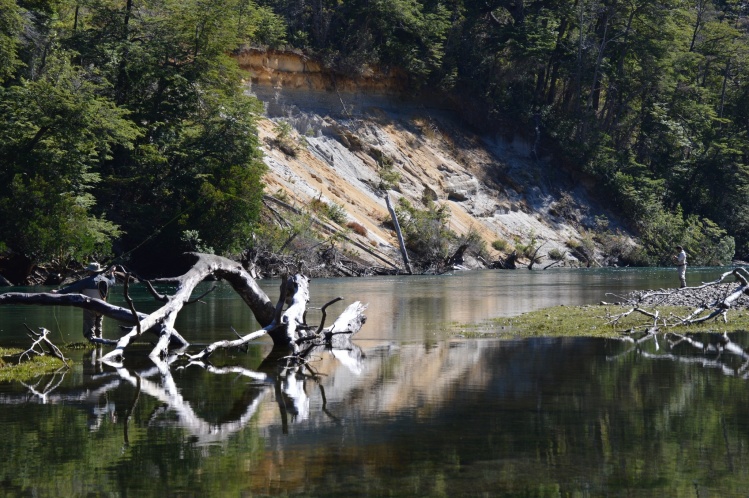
(681, 265)
(95, 284)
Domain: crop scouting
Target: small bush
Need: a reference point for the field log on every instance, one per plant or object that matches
(357, 228)
(283, 139)
(500, 245)
(389, 177)
(332, 211)
(556, 255)
(336, 213)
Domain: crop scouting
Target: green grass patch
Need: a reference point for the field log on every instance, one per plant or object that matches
(593, 321)
(12, 370)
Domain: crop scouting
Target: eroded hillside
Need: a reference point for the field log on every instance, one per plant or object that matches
(343, 132)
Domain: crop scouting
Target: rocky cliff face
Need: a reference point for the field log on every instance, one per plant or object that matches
(345, 130)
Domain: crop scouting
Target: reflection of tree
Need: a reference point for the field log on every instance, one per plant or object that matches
(710, 350)
(280, 375)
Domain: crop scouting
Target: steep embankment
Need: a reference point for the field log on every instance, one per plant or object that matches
(346, 129)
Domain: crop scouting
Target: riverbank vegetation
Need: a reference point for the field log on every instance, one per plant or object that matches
(125, 131)
(593, 321)
(11, 369)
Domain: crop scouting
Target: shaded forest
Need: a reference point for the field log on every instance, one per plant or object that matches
(125, 132)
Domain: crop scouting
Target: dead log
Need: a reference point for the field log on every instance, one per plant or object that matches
(286, 328)
(401, 243)
(290, 330)
(457, 258)
(509, 263)
(717, 308)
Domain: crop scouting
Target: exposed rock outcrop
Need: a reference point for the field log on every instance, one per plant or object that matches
(349, 132)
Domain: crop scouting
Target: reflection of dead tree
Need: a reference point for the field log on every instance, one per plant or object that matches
(286, 328)
(713, 351)
(167, 392)
(44, 392)
(279, 373)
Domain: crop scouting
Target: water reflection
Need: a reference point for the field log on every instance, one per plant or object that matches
(401, 412)
(466, 417)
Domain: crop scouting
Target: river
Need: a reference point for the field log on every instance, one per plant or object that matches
(411, 410)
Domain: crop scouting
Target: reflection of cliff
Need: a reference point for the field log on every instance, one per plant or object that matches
(541, 417)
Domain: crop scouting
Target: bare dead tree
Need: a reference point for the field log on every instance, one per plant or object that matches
(40, 340)
(287, 328)
(711, 308)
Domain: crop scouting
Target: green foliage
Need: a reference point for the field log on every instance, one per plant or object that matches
(56, 130)
(260, 25)
(30, 368)
(500, 245)
(336, 213)
(127, 122)
(389, 177)
(530, 248)
(284, 139)
(556, 255)
(704, 242)
(129, 116)
(192, 242)
(11, 25)
(332, 211)
(425, 231)
(271, 238)
(589, 321)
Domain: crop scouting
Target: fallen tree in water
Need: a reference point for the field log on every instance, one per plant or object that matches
(708, 302)
(286, 327)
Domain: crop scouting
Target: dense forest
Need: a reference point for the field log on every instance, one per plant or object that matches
(124, 129)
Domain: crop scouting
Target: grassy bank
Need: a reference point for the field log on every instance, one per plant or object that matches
(11, 369)
(593, 321)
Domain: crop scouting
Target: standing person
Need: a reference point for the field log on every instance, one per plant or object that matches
(96, 284)
(681, 265)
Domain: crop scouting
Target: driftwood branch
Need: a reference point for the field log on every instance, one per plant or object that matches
(287, 328)
(325, 313)
(39, 340)
(714, 309)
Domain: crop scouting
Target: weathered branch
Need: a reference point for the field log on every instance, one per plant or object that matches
(286, 328)
(325, 313)
(401, 243)
(40, 338)
(130, 303)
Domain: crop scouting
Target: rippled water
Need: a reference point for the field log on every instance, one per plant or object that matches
(408, 411)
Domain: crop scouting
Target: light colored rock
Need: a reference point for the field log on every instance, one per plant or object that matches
(346, 138)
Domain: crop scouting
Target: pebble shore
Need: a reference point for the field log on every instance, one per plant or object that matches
(692, 297)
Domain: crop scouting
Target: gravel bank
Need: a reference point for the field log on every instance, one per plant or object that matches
(688, 296)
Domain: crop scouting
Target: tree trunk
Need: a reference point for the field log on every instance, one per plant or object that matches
(287, 328)
(401, 243)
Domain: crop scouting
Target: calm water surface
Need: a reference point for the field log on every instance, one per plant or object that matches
(411, 410)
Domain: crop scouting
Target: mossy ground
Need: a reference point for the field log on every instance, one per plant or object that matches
(12, 369)
(593, 321)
